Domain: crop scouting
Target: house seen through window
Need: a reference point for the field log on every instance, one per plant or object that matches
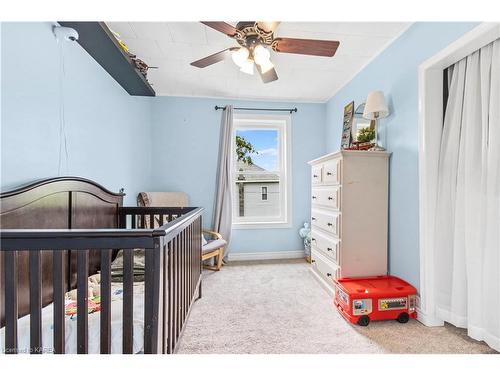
(260, 170)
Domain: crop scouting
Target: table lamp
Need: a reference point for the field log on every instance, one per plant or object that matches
(376, 108)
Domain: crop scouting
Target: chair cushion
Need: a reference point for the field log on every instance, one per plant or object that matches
(213, 245)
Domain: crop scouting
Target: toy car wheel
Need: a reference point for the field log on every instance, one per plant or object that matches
(403, 318)
(364, 320)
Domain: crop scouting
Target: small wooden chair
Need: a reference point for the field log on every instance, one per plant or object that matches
(213, 248)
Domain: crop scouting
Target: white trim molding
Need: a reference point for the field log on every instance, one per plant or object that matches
(429, 321)
(282, 124)
(430, 105)
(297, 254)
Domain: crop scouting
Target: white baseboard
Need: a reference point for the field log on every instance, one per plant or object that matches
(427, 320)
(267, 255)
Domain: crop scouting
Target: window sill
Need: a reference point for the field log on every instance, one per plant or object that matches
(261, 225)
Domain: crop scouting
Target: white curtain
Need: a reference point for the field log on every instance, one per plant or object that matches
(223, 208)
(467, 231)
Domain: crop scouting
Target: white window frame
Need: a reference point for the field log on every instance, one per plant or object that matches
(430, 103)
(283, 124)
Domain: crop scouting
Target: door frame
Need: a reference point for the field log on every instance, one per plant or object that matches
(430, 107)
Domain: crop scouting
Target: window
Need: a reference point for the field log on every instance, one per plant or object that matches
(261, 160)
(263, 193)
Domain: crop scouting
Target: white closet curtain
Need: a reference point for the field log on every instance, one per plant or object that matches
(467, 244)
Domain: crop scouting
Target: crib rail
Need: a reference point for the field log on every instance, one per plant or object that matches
(172, 277)
(181, 263)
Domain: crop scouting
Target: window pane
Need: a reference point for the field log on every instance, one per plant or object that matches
(257, 181)
(260, 185)
(257, 195)
(257, 150)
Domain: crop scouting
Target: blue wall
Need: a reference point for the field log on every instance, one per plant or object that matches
(185, 142)
(110, 134)
(107, 130)
(395, 72)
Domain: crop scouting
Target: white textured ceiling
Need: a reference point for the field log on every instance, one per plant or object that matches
(172, 46)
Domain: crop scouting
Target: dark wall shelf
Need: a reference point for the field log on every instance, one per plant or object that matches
(100, 43)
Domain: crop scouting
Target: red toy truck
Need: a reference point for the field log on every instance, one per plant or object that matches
(361, 300)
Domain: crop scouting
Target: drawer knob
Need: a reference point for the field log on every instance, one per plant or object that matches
(329, 274)
(313, 261)
(313, 197)
(330, 198)
(313, 218)
(330, 224)
(315, 175)
(313, 239)
(329, 248)
(328, 173)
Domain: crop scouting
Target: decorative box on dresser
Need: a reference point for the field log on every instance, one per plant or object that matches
(349, 215)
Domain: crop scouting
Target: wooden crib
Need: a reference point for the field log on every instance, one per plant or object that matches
(57, 232)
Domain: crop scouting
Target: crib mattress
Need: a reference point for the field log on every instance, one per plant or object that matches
(23, 326)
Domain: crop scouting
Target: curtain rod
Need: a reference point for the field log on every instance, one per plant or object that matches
(217, 107)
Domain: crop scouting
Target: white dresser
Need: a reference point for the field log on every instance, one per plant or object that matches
(349, 212)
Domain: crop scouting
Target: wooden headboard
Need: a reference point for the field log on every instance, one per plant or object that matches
(55, 203)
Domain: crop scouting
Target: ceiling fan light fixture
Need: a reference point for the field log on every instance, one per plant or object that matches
(267, 66)
(240, 56)
(255, 41)
(262, 57)
(247, 67)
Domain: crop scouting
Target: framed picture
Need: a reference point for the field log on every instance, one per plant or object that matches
(347, 126)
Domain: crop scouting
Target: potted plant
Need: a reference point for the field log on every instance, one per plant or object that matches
(365, 135)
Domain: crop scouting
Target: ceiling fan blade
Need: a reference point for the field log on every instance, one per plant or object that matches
(212, 59)
(268, 76)
(268, 26)
(306, 46)
(223, 27)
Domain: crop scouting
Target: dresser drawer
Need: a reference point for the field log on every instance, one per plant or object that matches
(331, 171)
(328, 245)
(328, 196)
(325, 268)
(329, 222)
(317, 174)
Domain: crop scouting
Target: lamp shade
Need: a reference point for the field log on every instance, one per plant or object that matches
(247, 67)
(375, 106)
(240, 56)
(262, 57)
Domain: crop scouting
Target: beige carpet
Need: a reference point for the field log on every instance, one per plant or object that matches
(278, 307)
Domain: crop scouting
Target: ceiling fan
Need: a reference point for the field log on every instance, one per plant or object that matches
(254, 39)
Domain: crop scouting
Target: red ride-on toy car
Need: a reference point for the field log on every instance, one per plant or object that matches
(361, 300)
